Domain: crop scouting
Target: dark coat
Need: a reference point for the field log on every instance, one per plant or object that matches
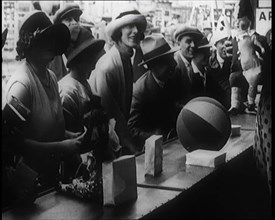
(153, 108)
(182, 81)
(221, 77)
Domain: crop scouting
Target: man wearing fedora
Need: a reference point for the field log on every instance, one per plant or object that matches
(112, 78)
(187, 37)
(199, 64)
(153, 109)
(203, 83)
(69, 15)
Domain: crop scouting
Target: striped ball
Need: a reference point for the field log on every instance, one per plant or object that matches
(203, 123)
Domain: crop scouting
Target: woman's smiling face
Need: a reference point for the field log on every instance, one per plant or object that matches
(130, 35)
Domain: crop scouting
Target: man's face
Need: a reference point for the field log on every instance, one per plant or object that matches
(187, 47)
(202, 56)
(164, 67)
(130, 36)
(221, 48)
(70, 21)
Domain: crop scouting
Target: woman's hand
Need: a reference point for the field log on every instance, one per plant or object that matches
(72, 145)
(71, 135)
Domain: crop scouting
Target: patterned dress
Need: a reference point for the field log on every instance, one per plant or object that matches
(263, 140)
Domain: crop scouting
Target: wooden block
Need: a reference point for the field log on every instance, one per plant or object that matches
(235, 130)
(153, 155)
(119, 180)
(206, 158)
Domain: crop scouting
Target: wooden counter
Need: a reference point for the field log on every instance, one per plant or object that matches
(155, 195)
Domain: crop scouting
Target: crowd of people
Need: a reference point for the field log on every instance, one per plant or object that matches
(73, 86)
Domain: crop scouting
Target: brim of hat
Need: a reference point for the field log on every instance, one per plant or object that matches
(117, 24)
(215, 41)
(172, 50)
(96, 44)
(205, 46)
(193, 34)
(74, 12)
(59, 33)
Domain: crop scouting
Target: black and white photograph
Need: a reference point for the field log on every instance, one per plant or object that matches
(139, 109)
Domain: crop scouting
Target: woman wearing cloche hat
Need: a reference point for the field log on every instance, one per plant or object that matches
(44, 139)
(112, 78)
(76, 95)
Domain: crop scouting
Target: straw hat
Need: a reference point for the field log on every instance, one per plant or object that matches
(39, 24)
(126, 18)
(222, 31)
(154, 46)
(82, 39)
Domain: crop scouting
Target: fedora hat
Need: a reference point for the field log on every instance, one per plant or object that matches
(126, 18)
(66, 11)
(183, 30)
(203, 43)
(154, 46)
(81, 39)
(40, 26)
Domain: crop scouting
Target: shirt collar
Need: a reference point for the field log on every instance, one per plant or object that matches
(186, 62)
(195, 68)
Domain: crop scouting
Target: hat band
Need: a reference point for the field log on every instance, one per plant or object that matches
(163, 49)
(133, 12)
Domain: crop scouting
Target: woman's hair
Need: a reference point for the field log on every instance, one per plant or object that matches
(23, 45)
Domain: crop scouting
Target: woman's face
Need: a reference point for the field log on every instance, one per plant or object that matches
(70, 21)
(130, 36)
(43, 53)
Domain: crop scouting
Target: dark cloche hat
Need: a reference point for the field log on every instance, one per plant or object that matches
(38, 23)
(82, 39)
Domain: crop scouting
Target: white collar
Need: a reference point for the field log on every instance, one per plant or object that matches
(195, 68)
(186, 62)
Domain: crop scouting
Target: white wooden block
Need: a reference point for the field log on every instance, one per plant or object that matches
(153, 155)
(119, 180)
(206, 158)
(235, 130)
